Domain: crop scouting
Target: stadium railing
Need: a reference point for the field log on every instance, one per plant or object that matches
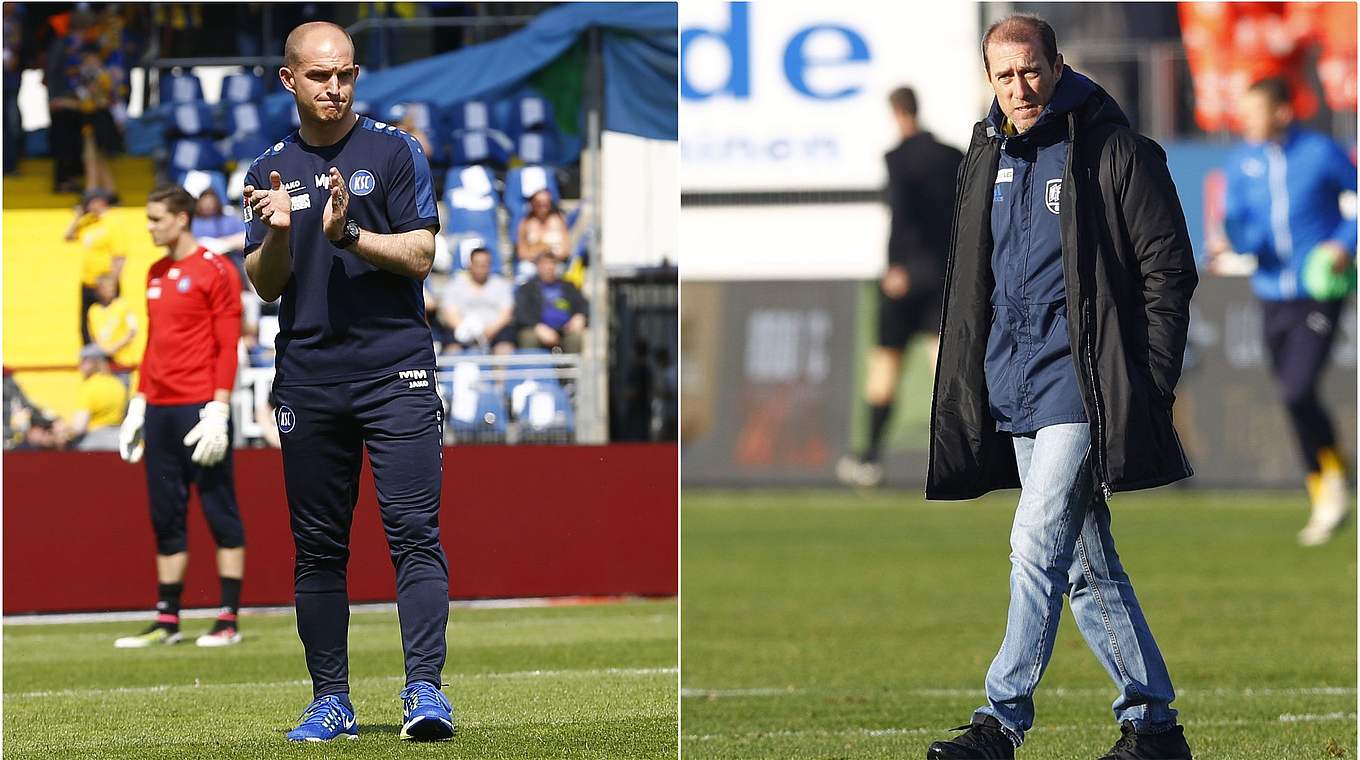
(525, 397)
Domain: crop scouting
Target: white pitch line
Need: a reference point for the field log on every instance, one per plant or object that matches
(1293, 691)
(210, 612)
(725, 693)
(896, 731)
(376, 679)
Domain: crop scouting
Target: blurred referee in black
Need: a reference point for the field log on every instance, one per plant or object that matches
(921, 179)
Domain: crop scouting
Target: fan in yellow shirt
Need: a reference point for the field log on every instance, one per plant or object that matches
(103, 401)
(112, 324)
(101, 250)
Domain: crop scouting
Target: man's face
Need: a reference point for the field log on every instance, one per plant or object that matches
(1262, 118)
(1022, 80)
(322, 82)
(547, 268)
(480, 268)
(164, 226)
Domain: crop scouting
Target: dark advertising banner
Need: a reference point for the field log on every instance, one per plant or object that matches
(772, 374)
(767, 370)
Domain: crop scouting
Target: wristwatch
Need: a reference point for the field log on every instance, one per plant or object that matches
(350, 237)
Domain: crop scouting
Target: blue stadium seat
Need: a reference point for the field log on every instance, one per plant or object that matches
(246, 147)
(190, 120)
(197, 180)
(537, 146)
(481, 146)
(487, 421)
(181, 88)
(543, 409)
(243, 87)
(242, 118)
(474, 115)
(472, 200)
(521, 369)
(525, 112)
(195, 153)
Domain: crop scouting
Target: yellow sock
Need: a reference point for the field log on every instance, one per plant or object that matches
(1330, 462)
(1313, 481)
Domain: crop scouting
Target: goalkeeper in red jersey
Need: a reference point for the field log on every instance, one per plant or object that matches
(180, 416)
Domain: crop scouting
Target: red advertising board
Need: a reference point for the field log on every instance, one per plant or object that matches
(516, 521)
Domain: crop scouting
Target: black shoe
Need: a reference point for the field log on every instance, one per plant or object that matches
(1135, 745)
(983, 739)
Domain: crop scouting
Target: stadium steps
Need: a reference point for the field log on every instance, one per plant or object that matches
(31, 186)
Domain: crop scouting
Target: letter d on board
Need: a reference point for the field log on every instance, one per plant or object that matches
(737, 39)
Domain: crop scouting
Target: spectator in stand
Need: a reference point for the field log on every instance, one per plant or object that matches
(218, 230)
(27, 426)
(60, 77)
(102, 252)
(550, 313)
(100, 134)
(13, 122)
(99, 412)
(544, 229)
(111, 323)
(478, 307)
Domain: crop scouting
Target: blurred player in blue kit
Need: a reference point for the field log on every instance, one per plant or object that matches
(341, 221)
(1284, 188)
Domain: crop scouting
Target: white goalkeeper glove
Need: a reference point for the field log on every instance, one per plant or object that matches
(210, 434)
(130, 443)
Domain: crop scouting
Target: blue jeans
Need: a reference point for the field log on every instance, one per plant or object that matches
(1061, 544)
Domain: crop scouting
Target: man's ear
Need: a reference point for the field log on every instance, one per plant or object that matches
(1058, 65)
(286, 77)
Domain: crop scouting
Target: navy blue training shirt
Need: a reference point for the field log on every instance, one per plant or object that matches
(341, 318)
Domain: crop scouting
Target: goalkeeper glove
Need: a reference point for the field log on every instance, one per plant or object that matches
(210, 434)
(130, 443)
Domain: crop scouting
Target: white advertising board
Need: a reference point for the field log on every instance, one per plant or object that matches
(792, 95)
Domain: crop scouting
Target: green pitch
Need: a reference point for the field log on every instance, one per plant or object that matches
(563, 682)
(829, 624)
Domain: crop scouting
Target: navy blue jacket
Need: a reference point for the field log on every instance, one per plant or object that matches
(1031, 381)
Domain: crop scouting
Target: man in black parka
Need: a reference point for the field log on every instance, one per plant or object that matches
(1067, 303)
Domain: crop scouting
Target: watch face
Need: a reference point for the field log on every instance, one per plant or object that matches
(352, 229)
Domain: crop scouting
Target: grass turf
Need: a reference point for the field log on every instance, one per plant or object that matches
(831, 624)
(594, 681)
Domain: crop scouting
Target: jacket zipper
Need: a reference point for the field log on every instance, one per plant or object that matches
(1087, 332)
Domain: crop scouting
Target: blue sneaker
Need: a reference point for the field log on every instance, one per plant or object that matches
(324, 719)
(426, 714)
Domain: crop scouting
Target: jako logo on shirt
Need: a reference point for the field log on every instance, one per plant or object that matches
(1052, 194)
(183, 285)
(287, 420)
(361, 182)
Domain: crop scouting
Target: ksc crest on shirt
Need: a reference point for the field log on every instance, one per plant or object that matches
(1053, 194)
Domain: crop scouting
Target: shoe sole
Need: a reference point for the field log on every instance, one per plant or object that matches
(217, 641)
(135, 643)
(428, 730)
(351, 737)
